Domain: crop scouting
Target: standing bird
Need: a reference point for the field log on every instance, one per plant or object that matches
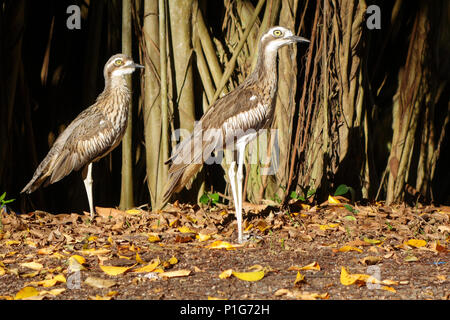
(233, 121)
(94, 133)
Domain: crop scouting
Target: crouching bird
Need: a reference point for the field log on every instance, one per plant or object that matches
(94, 133)
(233, 121)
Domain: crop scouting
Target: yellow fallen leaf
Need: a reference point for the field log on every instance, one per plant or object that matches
(11, 242)
(2, 271)
(76, 263)
(388, 289)
(348, 279)
(153, 237)
(349, 248)
(92, 238)
(173, 260)
(98, 297)
(173, 274)
(185, 229)
(79, 259)
(32, 265)
(372, 241)
(333, 200)
(216, 298)
(417, 243)
(114, 271)
(53, 292)
(249, 276)
(133, 211)
(226, 274)
(6, 298)
(139, 259)
(149, 267)
(312, 266)
(299, 278)
(94, 251)
(202, 237)
(46, 250)
(324, 227)
(51, 282)
(219, 244)
(26, 292)
(30, 243)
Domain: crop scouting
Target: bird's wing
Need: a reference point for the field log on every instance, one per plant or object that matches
(87, 140)
(225, 120)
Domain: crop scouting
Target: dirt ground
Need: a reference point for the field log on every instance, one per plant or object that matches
(327, 251)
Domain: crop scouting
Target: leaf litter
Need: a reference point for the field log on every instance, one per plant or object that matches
(190, 252)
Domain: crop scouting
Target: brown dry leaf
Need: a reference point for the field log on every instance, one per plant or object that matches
(109, 212)
(2, 271)
(301, 295)
(99, 282)
(183, 239)
(173, 274)
(437, 247)
(370, 260)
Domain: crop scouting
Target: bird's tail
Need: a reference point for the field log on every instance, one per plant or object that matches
(50, 170)
(41, 175)
(179, 177)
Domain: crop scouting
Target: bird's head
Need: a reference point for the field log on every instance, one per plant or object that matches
(119, 65)
(277, 37)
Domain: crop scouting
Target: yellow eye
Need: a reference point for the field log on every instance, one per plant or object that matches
(277, 33)
(118, 62)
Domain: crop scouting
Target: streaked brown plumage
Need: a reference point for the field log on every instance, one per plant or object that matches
(237, 116)
(94, 133)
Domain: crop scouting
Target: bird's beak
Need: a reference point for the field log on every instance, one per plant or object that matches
(298, 39)
(139, 66)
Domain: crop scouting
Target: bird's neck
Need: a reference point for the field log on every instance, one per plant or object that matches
(266, 69)
(115, 99)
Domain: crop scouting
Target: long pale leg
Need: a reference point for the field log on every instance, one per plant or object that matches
(88, 185)
(240, 179)
(232, 177)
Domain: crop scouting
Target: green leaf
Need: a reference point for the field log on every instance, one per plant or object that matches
(341, 189)
(2, 196)
(204, 199)
(310, 193)
(349, 208)
(350, 218)
(8, 201)
(294, 195)
(214, 197)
